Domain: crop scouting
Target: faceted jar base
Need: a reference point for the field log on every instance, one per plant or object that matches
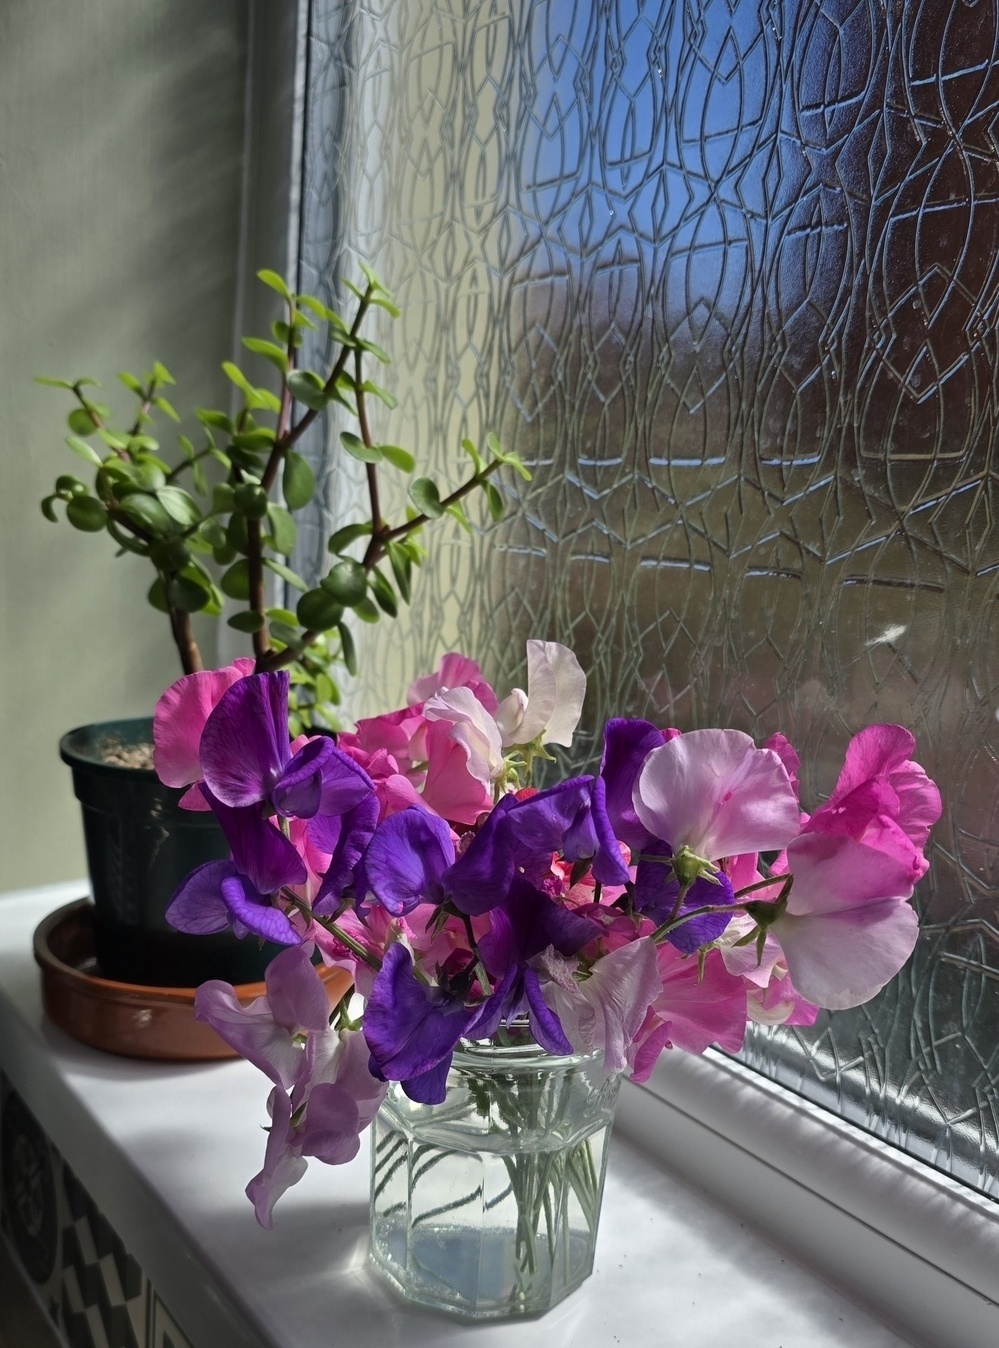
(486, 1206)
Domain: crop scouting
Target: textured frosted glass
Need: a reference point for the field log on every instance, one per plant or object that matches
(725, 274)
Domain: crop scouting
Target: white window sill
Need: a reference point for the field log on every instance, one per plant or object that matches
(165, 1151)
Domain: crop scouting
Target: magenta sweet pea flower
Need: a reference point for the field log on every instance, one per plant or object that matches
(181, 714)
(715, 793)
(848, 926)
(882, 798)
(454, 671)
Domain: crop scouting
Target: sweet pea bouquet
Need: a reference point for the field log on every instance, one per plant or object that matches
(659, 903)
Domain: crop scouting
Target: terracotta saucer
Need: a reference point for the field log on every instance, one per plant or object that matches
(127, 1018)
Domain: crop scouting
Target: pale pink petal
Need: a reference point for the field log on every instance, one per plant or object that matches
(604, 1012)
(715, 792)
(848, 927)
(552, 706)
(472, 727)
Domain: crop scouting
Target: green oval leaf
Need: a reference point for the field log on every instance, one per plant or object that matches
(84, 450)
(284, 530)
(347, 583)
(493, 500)
(157, 595)
(276, 282)
(347, 648)
(180, 506)
(384, 594)
(269, 350)
(318, 610)
(188, 595)
(350, 533)
(236, 581)
(306, 387)
(367, 611)
(356, 447)
(398, 457)
(247, 622)
(286, 573)
(298, 481)
(170, 554)
(147, 511)
(251, 501)
(425, 496)
(80, 422)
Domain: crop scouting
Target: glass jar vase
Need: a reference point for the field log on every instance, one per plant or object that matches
(487, 1205)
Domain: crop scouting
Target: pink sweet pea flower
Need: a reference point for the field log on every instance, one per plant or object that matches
(779, 1003)
(464, 756)
(848, 927)
(454, 671)
(402, 734)
(605, 1011)
(692, 1012)
(180, 718)
(716, 793)
(882, 798)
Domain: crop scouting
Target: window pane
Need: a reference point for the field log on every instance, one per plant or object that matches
(725, 275)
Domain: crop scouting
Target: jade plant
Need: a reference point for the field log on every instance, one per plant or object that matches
(211, 535)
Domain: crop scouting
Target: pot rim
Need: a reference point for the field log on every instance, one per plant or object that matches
(77, 757)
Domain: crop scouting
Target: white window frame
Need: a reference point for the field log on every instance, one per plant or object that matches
(917, 1247)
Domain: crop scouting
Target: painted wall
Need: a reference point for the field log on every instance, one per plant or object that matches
(121, 130)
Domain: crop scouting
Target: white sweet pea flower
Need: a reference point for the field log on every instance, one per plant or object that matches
(553, 703)
(473, 728)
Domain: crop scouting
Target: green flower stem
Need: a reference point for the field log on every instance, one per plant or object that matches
(328, 924)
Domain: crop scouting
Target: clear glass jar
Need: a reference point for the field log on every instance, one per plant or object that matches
(487, 1205)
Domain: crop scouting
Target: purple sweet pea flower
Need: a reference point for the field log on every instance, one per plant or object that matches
(627, 744)
(247, 760)
(405, 861)
(656, 891)
(240, 890)
(412, 1029)
(520, 837)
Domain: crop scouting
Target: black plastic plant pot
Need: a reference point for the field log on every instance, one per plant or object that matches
(140, 846)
